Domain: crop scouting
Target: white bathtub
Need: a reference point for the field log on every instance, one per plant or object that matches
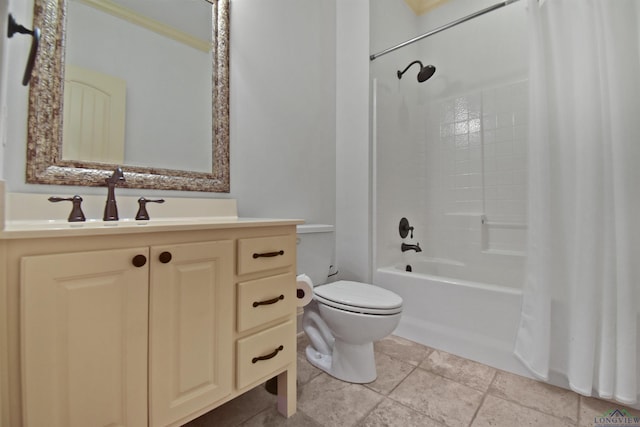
(472, 320)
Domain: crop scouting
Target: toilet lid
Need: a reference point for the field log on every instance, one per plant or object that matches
(358, 297)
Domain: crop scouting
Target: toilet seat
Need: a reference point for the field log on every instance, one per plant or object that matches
(358, 297)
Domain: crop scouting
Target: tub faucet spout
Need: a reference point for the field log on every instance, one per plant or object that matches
(405, 247)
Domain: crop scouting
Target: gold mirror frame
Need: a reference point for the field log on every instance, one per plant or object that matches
(44, 138)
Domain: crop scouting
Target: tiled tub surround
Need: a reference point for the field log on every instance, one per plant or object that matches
(446, 164)
(453, 163)
(417, 386)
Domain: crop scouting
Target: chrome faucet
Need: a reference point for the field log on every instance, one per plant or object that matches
(404, 247)
(111, 208)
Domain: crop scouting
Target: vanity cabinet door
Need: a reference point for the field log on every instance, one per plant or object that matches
(191, 326)
(84, 319)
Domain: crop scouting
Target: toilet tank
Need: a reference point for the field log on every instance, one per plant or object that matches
(315, 247)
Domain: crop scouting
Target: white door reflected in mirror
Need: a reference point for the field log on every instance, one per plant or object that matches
(94, 111)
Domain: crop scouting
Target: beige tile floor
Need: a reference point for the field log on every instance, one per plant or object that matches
(416, 387)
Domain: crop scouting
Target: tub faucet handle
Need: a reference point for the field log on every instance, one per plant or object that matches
(404, 228)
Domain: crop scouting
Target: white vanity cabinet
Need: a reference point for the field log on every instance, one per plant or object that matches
(190, 332)
(84, 332)
(148, 328)
(265, 315)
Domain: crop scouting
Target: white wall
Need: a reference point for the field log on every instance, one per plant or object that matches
(16, 96)
(283, 108)
(282, 111)
(397, 151)
(353, 155)
(4, 10)
(4, 6)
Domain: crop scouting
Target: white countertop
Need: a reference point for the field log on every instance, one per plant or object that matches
(33, 216)
(30, 229)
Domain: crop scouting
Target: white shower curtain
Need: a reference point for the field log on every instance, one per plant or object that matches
(581, 294)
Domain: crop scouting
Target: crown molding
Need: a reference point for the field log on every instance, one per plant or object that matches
(420, 7)
(112, 8)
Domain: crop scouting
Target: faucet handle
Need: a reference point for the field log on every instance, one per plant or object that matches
(142, 209)
(76, 214)
(404, 228)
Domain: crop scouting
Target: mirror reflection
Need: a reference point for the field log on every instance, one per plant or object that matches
(152, 97)
(137, 87)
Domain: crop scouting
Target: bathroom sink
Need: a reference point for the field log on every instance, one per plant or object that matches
(41, 225)
(28, 215)
(26, 225)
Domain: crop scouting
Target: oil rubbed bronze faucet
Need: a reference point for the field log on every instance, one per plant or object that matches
(142, 209)
(404, 247)
(76, 214)
(111, 208)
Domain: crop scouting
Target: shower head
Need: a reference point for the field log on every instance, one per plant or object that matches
(424, 74)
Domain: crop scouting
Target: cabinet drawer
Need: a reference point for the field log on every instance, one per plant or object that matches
(265, 352)
(263, 300)
(266, 253)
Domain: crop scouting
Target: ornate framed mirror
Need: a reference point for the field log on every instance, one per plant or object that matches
(46, 163)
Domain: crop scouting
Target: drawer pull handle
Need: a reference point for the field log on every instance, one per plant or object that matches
(268, 356)
(269, 301)
(268, 254)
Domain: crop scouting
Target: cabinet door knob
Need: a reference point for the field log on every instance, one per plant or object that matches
(165, 257)
(139, 260)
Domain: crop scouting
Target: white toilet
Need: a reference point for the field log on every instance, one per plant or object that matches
(344, 317)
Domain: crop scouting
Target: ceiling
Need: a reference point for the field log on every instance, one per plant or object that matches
(192, 17)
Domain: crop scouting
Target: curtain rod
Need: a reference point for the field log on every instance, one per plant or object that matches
(444, 27)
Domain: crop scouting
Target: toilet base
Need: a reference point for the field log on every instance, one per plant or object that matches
(317, 359)
(354, 363)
